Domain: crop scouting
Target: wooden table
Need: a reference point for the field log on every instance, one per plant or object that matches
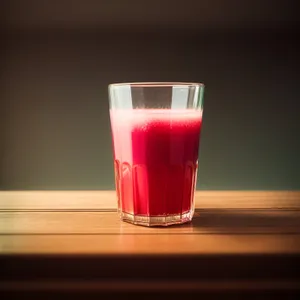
(72, 243)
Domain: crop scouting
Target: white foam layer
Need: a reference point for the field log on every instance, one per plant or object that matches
(138, 116)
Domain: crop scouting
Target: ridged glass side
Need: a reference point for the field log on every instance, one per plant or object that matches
(155, 195)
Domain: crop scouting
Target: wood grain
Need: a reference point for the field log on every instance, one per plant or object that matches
(99, 223)
(218, 244)
(86, 223)
(106, 200)
(67, 243)
(212, 231)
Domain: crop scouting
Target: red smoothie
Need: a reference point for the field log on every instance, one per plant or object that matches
(156, 157)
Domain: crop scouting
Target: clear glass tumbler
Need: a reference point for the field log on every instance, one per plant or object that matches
(156, 129)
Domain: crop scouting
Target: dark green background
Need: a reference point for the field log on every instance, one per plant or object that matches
(55, 131)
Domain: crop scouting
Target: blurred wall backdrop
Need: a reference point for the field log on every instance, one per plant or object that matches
(57, 58)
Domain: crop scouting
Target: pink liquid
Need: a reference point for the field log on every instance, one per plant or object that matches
(156, 155)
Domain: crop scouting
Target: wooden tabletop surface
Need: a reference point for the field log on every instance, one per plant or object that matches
(87, 222)
(70, 241)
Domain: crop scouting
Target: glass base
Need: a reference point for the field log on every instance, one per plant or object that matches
(157, 220)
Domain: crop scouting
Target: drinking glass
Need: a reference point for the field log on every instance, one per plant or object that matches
(155, 131)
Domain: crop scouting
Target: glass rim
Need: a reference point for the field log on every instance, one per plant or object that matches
(157, 84)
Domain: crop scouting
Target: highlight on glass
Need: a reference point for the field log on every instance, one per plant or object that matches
(155, 131)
